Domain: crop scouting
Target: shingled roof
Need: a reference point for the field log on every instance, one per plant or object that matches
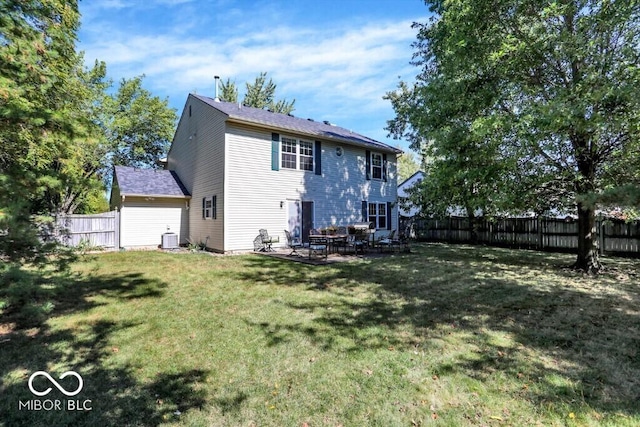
(149, 182)
(279, 121)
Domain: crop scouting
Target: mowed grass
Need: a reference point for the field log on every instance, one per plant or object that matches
(444, 336)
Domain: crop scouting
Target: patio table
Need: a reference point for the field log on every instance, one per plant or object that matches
(329, 239)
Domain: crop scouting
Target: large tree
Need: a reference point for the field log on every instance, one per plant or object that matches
(128, 126)
(544, 91)
(38, 118)
(259, 94)
(139, 126)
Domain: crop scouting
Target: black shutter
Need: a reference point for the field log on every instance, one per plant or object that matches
(214, 207)
(317, 154)
(368, 164)
(365, 211)
(389, 215)
(275, 151)
(204, 203)
(384, 167)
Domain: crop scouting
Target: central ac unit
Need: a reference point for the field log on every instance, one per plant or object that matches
(169, 241)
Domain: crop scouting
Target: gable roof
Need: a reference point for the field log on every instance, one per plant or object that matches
(149, 182)
(409, 181)
(278, 121)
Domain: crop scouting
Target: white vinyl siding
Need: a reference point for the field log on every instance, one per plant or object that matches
(232, 161)
(254, 191)
(198, 157)
(144, 220)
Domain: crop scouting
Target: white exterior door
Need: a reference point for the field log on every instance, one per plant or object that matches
(294, 219)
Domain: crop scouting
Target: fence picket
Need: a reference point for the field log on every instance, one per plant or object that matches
(614, 236)
(95, 230)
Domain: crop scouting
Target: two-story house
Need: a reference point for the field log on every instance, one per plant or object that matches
(248, 168)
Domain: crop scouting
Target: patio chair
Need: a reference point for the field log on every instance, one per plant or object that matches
(318, 246)
(360, 242)
(388, 242)
(342, 242)
(350, 243)
(293, 244)
(258, 246)
(267, 240)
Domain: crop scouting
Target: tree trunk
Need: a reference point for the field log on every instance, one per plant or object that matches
(588, 259)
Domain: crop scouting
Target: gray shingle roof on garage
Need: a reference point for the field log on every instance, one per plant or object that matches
(149, 182)
(322, 130)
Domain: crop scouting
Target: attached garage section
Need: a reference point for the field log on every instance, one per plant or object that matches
(151, 203)
(143, 220)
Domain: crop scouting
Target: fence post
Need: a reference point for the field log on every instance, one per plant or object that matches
(540, 239)
(116, 231)
(600, 228)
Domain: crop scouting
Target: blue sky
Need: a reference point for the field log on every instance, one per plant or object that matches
(336, 58)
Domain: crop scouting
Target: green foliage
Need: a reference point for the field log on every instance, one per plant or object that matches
(229, 91)
(26, 295)
(407, 166)
(526, 105)
(94, 202)
(195, 247)
(138, 126)
(38, 118)
(259, 94)
(128, 127)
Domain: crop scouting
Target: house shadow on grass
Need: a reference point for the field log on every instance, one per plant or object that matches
(112, 391)
(570, 339)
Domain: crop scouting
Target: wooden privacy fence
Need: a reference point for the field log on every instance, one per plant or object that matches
(96, 230)
(613, 236)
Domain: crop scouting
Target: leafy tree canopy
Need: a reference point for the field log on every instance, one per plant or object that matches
(38, 117)
(407, 166)
(61, 129)
(527, 105)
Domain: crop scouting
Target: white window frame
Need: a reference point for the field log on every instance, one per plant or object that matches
(377, 165)
(288, 153)
(305, 151)
(377, 211)
(208, 208)
(296, 154)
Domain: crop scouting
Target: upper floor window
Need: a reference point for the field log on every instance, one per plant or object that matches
(296, 154)
(306, 155)
(376, 165)
(289, 150)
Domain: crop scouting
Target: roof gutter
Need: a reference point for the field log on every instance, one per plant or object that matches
(163, 196)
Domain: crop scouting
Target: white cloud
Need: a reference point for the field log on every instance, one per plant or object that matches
(338, 73)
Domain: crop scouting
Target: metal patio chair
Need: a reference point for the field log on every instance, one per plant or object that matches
(267, 240)
(293, 244)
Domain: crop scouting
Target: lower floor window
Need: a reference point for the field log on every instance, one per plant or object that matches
(209, 207)
(378, 214)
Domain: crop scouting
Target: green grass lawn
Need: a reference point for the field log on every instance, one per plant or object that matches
(445, 336)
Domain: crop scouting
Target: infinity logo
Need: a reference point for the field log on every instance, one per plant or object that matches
(55, 383)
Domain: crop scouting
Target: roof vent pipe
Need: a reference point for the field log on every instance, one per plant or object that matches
(217, 78)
